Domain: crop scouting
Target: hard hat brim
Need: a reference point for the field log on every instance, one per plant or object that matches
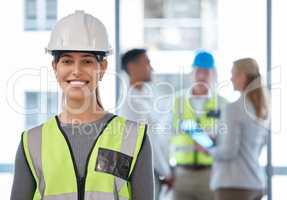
(106, 53)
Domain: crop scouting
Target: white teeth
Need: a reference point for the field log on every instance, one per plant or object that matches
(77, 82)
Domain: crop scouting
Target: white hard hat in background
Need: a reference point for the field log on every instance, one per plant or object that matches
(79, 32)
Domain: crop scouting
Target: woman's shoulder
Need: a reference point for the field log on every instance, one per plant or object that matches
(133, 124)
(33, 132)
(233, 107)
(131, 121)
(244, 111)
(38, 127)
(239, 105)
(236, 110)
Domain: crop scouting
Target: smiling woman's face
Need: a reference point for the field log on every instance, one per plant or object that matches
(78, 74)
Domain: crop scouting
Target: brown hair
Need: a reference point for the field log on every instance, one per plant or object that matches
(99, 101)
(253, 88)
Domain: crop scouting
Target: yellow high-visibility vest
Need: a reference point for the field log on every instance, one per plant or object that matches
(182, 152)
(109, 165)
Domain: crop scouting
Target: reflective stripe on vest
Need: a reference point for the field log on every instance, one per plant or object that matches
(51, 162)
(88, 195)
(181, 144)
(32, 148)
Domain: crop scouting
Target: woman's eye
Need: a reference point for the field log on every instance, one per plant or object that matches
(66, 61)
(87, 61)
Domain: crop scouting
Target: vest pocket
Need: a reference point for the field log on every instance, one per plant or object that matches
(113, 162)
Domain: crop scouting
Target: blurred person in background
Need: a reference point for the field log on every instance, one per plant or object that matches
(138, 105)
(200, 105)
(236, 172)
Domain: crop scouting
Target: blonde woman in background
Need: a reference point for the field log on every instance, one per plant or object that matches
(236, 172)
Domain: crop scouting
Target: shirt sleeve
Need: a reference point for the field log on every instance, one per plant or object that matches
(229, 135)
(24, 184)
(142, 179)
(159, 135)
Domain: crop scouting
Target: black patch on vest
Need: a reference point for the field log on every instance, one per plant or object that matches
(214, 114)
(113, 162)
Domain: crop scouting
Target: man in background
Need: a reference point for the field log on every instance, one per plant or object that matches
(138, 106)
(201, 105)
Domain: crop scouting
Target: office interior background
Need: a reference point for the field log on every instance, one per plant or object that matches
(171, 30)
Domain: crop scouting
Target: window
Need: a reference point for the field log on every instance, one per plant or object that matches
(40, 14)
(180, 24)
(30, 15)
(51, 13)
(39, 107)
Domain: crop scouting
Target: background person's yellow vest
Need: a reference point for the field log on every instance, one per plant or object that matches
(182, 152)
(109, 166)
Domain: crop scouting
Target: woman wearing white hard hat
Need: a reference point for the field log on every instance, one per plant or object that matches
(84, 152)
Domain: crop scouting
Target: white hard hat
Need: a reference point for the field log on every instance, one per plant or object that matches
(79, 32)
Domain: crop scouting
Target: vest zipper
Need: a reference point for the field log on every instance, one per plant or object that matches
(81, 188)
(89, 156)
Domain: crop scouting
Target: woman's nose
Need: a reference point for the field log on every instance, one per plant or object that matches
(76, 69)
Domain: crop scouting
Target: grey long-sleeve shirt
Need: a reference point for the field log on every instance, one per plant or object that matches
(81, 138)
(238, 149)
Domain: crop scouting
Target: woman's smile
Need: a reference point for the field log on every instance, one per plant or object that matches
(77, 83)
